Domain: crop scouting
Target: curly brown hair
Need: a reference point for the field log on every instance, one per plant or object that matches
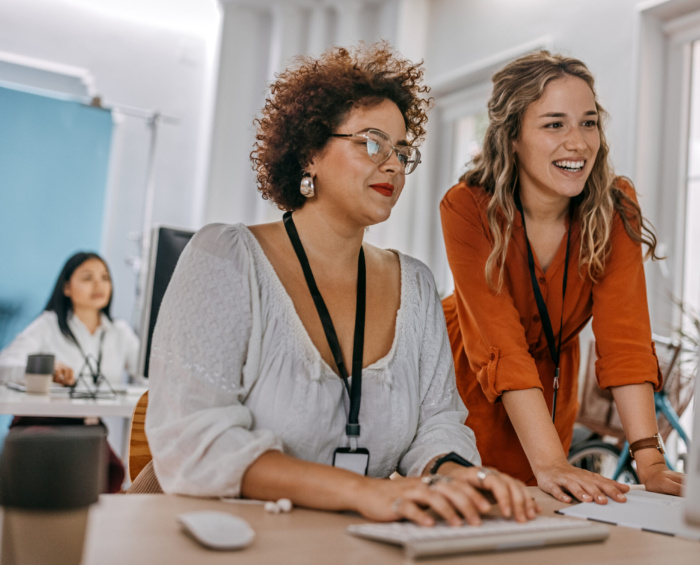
(312, 98)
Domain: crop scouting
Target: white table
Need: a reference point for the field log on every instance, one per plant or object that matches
(60, 405)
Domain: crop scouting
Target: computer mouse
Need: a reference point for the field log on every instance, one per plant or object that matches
(217, 530)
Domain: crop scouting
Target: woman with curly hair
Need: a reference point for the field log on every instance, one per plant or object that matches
(541, 236)
(295, 360)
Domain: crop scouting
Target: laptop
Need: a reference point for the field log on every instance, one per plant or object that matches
(653, 512)
(494, 534)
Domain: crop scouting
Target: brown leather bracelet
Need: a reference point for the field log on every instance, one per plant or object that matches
(646, 443)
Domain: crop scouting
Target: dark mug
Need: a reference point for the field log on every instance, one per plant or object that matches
(49, 477)
(38, 375)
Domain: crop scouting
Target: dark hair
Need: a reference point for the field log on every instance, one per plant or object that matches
(311, 99)
(62, 304)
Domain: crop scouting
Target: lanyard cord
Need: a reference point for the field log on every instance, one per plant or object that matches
(352, 429)
(94, 374)
(554, 351)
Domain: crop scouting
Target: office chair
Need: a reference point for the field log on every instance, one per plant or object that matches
(141, 473)
(139, 452)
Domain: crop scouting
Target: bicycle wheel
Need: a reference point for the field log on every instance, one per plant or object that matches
(601, 457)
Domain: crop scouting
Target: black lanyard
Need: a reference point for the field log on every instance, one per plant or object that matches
(95, 374)
(554, 350)
(352, 429)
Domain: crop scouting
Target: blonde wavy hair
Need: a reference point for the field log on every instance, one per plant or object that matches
(515, 87)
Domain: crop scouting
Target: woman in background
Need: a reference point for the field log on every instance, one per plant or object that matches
(250, 395)
(77, 328)
(541, 236)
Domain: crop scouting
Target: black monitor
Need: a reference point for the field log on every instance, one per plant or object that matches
(166, 246)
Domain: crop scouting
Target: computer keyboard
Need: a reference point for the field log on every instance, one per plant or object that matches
(494, 534)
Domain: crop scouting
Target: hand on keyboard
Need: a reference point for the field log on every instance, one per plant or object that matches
(509, 494)
(455, 495)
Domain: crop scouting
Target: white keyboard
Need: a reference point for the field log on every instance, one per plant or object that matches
(494, 534)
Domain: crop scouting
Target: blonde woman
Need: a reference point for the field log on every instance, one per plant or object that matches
(541, 236)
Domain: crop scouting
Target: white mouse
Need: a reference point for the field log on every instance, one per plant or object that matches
(217, 530)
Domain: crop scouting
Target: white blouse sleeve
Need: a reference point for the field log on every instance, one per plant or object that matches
(441, 427)
(203, 362)
(13, 359)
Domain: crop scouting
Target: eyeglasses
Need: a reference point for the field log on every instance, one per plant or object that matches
(380, 148)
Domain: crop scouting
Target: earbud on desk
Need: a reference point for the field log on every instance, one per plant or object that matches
(282, 505)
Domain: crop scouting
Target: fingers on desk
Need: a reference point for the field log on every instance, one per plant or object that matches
(667, 482)
(584, 486)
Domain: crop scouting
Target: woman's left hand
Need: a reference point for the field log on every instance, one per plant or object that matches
(510, 494)
(659, 478)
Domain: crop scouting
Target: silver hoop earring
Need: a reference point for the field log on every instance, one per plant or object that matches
(307, 187)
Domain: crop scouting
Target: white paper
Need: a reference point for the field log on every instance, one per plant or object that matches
(649, 511)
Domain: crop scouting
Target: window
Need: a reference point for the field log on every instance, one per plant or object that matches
(668, 161)
(469, 134)
(691, 260)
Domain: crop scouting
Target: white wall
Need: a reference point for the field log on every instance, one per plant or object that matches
(138, 57)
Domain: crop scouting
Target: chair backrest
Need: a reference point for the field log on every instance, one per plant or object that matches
(139, 452)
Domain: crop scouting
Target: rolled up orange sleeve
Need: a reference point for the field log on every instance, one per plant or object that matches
(621, 325)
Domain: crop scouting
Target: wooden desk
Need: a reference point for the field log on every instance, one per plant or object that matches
(141, 529)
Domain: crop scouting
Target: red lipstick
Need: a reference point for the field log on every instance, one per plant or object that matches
(383, 188)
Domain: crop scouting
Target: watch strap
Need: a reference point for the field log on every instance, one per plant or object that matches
(647, 443)
(452, 457)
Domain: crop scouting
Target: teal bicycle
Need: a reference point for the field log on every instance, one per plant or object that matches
(589, 450)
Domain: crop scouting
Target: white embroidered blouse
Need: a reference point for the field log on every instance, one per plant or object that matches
(233, 373)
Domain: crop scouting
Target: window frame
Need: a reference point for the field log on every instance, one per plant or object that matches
(665, 34)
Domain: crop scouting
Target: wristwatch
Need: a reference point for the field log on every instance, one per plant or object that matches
(654, 441)
(454, 458)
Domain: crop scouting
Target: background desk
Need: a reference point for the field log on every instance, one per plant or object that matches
(141, 529)
(63, 406)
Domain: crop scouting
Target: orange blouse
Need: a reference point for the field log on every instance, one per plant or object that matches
(498, 342)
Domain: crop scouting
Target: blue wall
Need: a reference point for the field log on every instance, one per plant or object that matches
(54, 159)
